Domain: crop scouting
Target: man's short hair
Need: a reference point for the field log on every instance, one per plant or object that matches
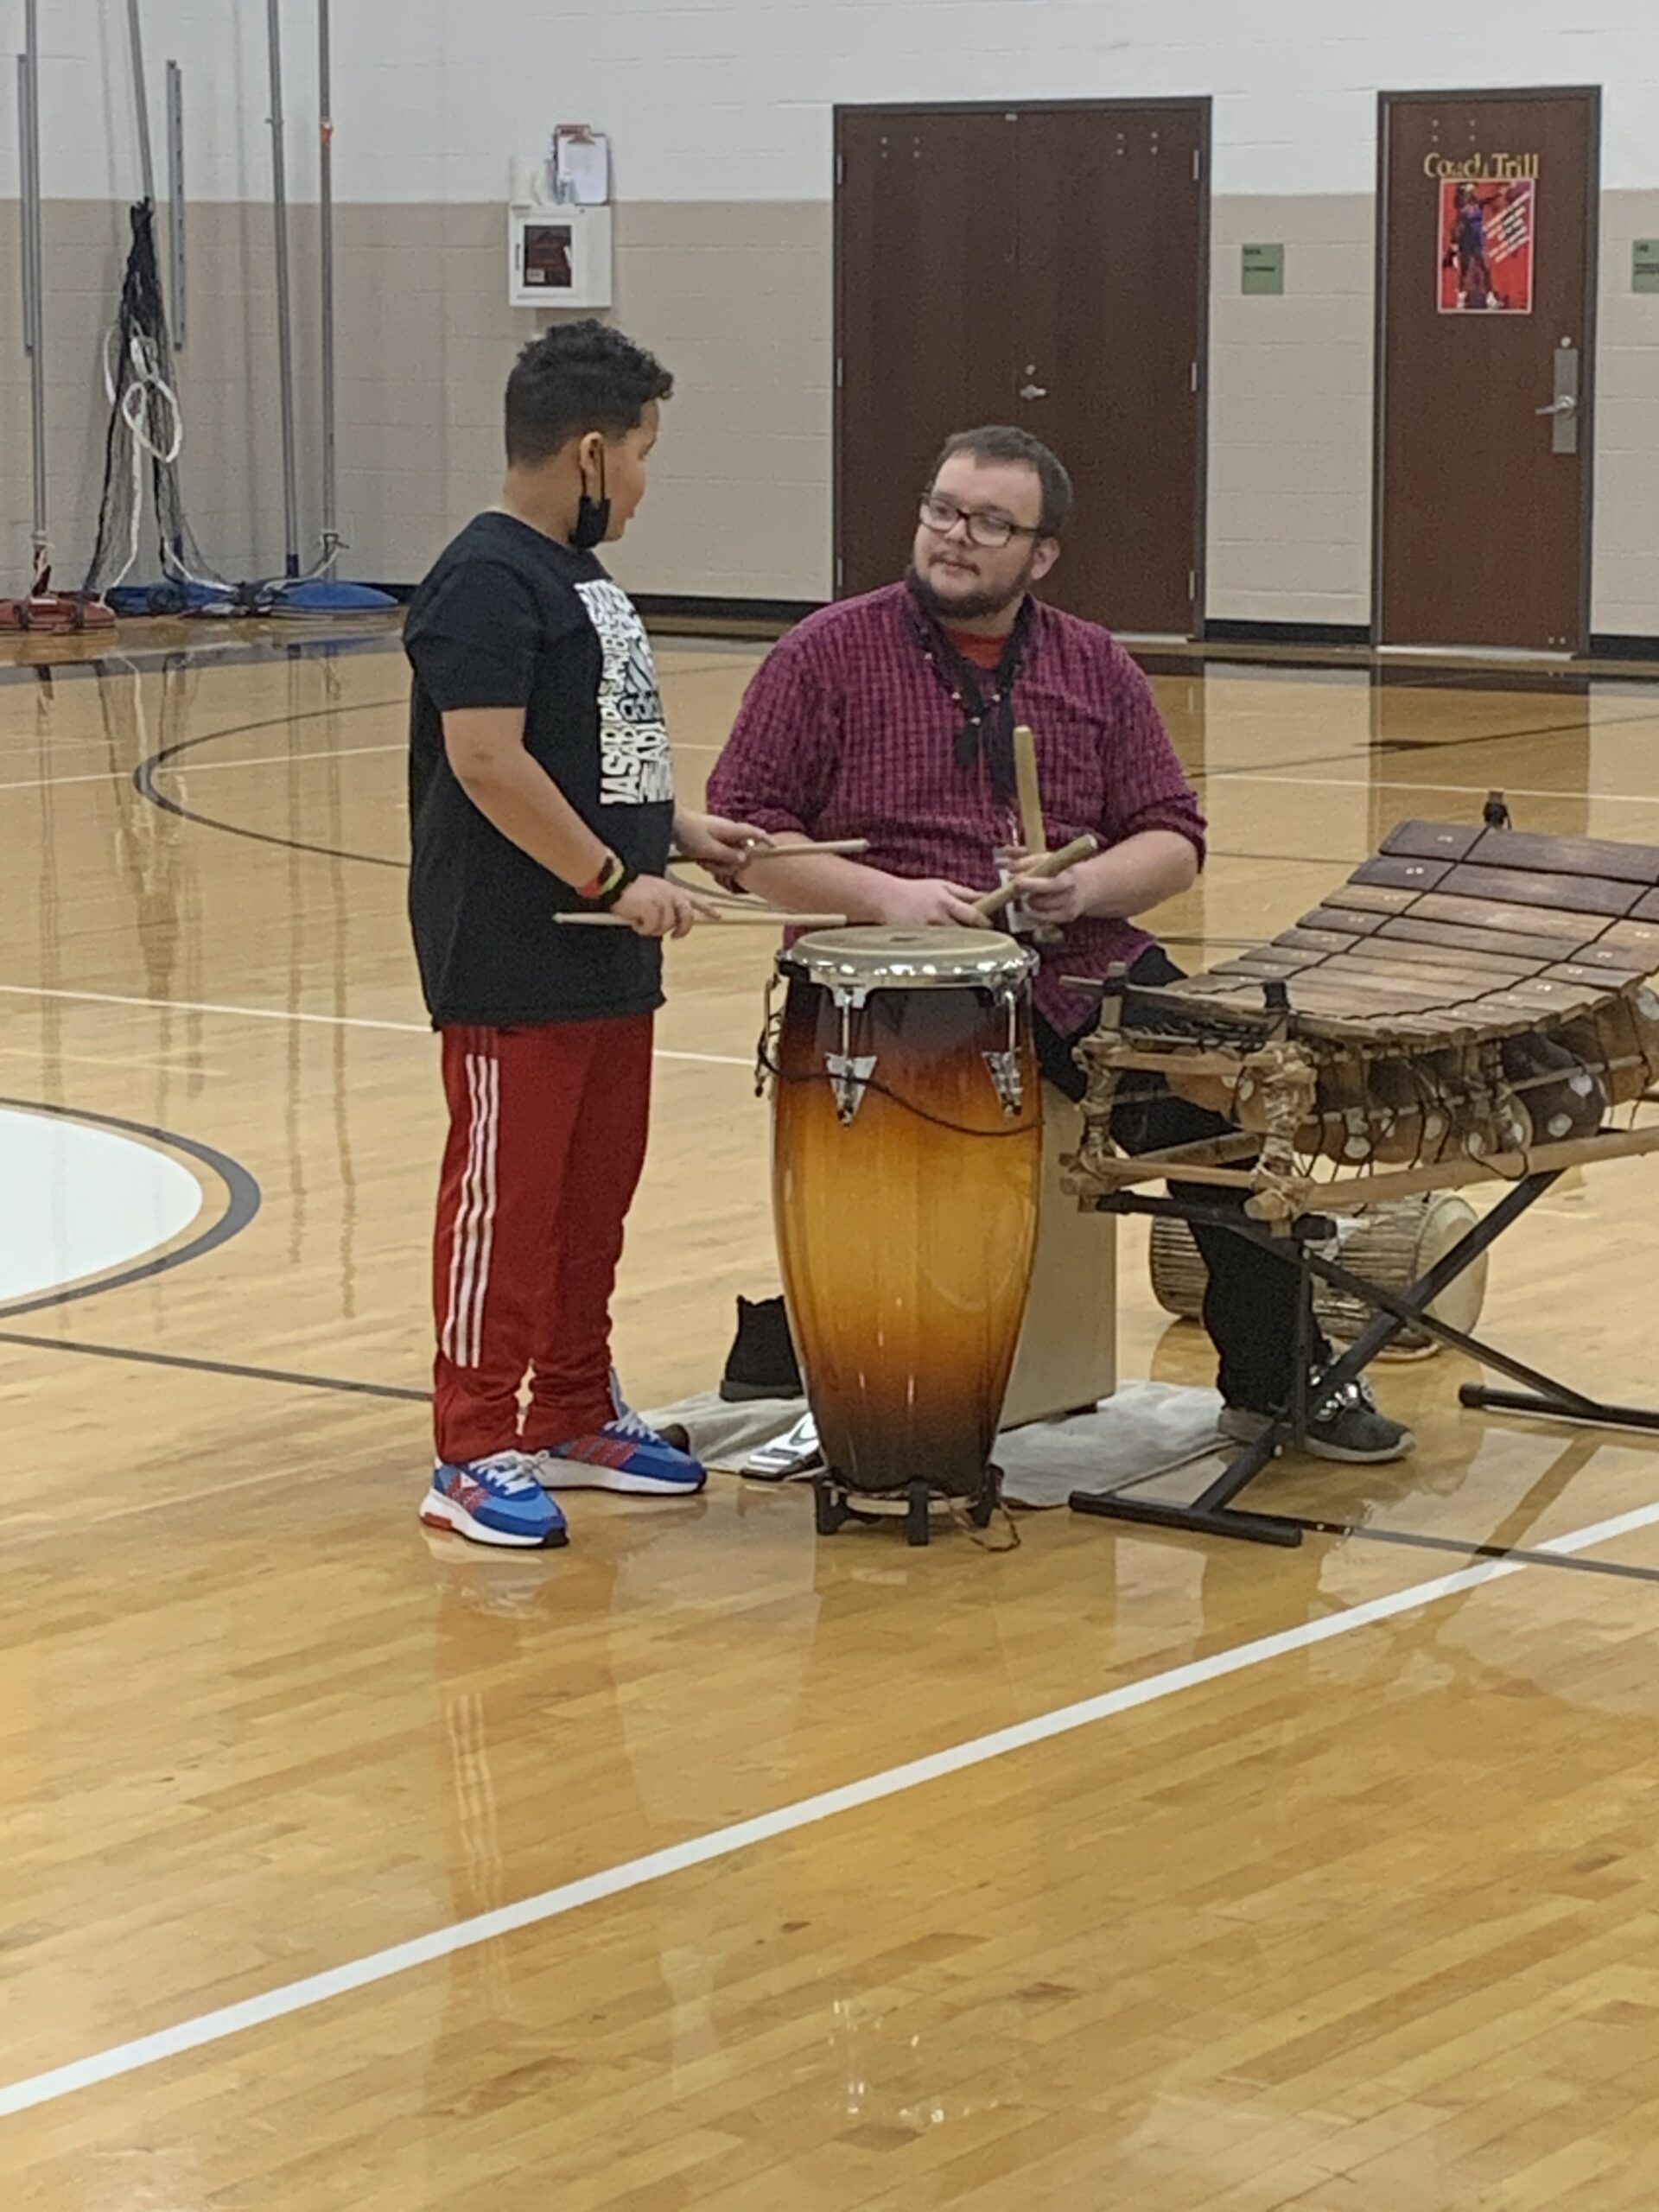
(1003, 441)
(575, 377)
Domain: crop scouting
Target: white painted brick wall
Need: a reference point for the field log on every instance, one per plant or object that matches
(730, 99)
(713, 102)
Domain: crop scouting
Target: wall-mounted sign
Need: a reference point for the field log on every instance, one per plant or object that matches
(1264, 270)
(1644, 265)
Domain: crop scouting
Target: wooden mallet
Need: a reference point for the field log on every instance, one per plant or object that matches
(1033, 832)
(1080, 848)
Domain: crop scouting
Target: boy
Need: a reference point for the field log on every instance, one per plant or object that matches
(540, 783)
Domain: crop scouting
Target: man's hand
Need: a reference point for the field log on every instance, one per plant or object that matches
(907, 905)
(1053, 901)
(725, 846)
(658, 908)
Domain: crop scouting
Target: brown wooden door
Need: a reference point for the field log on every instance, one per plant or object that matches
(1488, 204)
(1046, 266)
(1113, 279)
(925, 277)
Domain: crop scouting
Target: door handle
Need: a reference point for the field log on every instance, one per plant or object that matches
(1033, 391)
(1562, 412)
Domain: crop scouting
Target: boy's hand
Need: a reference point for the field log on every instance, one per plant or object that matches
(723, 845)
(658, 908)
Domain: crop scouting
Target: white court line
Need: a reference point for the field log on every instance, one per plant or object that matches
(324, 1020)
(207, 767)
(1469, 791)
(742, 1835)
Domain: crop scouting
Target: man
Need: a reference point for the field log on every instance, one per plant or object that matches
(541, 787)
(891, 717)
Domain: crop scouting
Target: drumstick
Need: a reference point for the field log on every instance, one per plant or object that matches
(1032, 831)
(772, 917)
(1049, 864)
(850, 847)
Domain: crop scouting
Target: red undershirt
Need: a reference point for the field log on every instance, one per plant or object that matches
(982, 652)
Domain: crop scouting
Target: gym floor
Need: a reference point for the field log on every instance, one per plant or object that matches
(708, 1863)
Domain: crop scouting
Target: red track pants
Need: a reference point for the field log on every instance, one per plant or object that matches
(547, 1139)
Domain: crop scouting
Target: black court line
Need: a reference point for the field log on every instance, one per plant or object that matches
(143, 781)
(242, 1202)
(236, 1369)
(1386, 748)
(1523, 1554)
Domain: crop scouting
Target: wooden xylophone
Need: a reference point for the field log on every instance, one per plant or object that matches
(1470, 994)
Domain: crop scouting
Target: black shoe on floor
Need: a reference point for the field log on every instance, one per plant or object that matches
(762, 1363)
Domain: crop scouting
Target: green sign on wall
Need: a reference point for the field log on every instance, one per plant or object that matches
(1644, 265)
(1264, 270)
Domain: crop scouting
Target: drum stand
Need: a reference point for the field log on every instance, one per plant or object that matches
(834, 1507)
(1212, 1511)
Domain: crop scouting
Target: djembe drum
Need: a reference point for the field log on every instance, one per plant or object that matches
(907, 1149)
(1390, 1245)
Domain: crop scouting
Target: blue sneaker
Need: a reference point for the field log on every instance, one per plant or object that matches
(495, 1501)
(626, 1455)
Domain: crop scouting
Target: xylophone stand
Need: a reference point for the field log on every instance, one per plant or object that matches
(1212, 1511)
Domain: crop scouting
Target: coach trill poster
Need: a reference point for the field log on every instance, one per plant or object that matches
(1487, 230)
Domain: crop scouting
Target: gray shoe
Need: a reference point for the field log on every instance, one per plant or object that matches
(1348, 1427)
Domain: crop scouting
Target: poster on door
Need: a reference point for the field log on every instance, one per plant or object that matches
(1488, 226)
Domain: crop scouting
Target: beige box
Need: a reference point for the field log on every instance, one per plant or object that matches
(1068, 1347)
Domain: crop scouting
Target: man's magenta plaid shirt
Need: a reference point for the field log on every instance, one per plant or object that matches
(847, 731)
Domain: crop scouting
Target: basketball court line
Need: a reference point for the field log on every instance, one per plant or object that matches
(236, 1371)
(1461, 790)
(1286, 775)
(207, 2029)
(214, 767)
(240, 1372)
(324, 1020)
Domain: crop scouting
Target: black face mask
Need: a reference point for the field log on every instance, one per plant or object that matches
(592, 516)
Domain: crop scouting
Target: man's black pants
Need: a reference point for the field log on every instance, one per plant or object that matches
(1250, 1308)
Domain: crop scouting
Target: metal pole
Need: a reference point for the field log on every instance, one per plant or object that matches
(325, 218)
(284, 309)
(28, 137)
(176, 209)
(135, 33)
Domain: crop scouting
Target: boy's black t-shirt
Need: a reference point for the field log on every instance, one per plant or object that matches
(510, 617)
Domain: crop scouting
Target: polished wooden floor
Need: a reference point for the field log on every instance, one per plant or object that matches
(1361, 1918)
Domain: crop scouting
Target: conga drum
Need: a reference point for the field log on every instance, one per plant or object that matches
(906, 1161)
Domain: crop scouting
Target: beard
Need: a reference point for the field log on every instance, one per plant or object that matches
(968, 606)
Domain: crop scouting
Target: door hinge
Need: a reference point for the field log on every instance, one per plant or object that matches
(841, 371)
(840, 169)
(1195, 377)
(841, 572)
(1197, 164)
(1192, 587)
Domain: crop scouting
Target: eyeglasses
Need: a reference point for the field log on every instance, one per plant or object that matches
(990, 531)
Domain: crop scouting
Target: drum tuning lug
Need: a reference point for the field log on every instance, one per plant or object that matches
(1496, 813)
(849, 1077)
(1275, 994)
(1009, 1079)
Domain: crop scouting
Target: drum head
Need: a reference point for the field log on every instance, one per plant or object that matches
(1447, 1220)
(909, 959)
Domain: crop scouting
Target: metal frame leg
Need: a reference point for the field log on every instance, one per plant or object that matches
(1211, 1512)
